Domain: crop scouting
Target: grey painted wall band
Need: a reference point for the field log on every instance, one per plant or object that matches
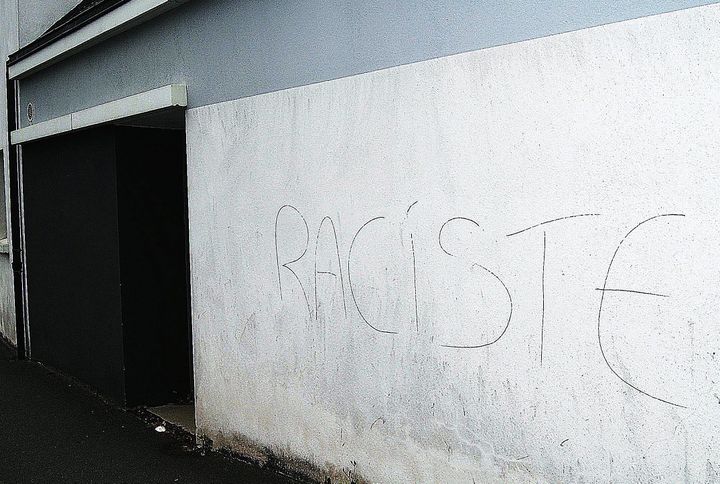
(229, 49)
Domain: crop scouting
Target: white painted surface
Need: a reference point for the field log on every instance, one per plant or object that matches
(113, 22)
(51, 127)
(7, 301)
(620, 121)
(173, 95)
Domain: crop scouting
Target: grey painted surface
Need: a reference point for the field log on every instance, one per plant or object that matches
(8, 43)
(229, 49)
(37, 16)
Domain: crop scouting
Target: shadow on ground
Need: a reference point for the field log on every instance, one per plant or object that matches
(53, 430)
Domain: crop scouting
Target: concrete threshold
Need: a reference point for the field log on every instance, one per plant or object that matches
(182, 416)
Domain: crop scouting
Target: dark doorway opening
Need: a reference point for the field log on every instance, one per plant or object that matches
(152, 202)
(106, 241)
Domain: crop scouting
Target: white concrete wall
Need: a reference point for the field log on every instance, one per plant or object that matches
(410, 336)
(7, 301)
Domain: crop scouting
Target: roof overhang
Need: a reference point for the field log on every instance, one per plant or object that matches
(122, 16)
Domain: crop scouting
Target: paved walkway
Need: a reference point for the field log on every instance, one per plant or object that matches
(53, 431)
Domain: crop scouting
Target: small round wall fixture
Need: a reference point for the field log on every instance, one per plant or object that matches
(30, 112)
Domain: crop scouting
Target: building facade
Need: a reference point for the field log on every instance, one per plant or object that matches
(425, 241)
(20, 23)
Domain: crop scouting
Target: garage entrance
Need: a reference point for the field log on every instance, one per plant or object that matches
(106, 233)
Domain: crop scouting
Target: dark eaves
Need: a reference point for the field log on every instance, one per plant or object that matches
(84, 13)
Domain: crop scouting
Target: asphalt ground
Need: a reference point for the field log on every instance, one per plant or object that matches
(53, 430)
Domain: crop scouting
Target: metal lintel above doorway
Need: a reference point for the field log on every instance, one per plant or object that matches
(172, 95)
